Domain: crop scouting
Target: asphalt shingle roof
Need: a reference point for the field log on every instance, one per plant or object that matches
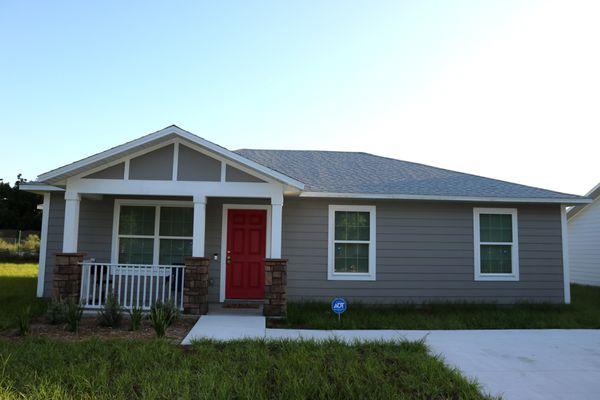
(349, 172)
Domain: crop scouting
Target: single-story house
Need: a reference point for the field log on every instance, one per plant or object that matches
(584, 240)
(368, 228)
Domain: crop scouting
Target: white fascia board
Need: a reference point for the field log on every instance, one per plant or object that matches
(39, 188)
(165, 132)
(174, 188)
(442, 198)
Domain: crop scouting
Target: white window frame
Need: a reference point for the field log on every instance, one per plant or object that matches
(514, 275)
(156, 236)
(352, 276)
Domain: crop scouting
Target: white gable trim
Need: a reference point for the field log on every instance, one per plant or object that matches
(176, 142)
(218, 150)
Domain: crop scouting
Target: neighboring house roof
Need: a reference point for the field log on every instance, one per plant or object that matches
(348, 174)
(594, 194)
(64, 172)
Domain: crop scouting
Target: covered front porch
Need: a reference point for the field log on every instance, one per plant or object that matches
(189, 250)
(166, 216)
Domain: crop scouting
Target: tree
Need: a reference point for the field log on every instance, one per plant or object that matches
(18, 209)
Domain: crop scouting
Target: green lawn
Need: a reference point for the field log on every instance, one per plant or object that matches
(584, 312)
(41, 369)
(37, 368)
(18, 284)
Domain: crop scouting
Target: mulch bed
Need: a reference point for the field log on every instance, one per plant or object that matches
(90, 328)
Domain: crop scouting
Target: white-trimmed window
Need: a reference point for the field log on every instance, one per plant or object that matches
(496, 244)
(351, 243)
(147, 233)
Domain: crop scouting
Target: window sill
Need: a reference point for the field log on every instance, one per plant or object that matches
(497, 277)
(350, 277)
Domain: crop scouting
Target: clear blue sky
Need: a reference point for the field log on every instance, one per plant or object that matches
(493, 88)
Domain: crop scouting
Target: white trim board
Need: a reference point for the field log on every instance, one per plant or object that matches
(565, 254)
(174, 188)
(68, 170)
(384, 196)
(223, 256)
(43, 245)
(39, 188)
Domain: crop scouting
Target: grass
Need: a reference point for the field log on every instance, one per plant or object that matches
(584, 312)
(18, 284)
(42, 369)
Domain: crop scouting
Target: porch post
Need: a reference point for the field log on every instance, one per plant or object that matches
(71, 223)
(276, 225)
(199, 226)
(66, 280)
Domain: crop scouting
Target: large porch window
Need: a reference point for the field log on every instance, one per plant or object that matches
(154, 234)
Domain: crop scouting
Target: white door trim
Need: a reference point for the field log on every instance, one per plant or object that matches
(226, 208)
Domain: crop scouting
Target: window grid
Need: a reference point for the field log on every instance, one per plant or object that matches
(496, 244)
(351, 241)
(157, 256)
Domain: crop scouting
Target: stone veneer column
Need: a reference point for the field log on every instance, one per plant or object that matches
(66, 281)
(275, 288)
(195, 285)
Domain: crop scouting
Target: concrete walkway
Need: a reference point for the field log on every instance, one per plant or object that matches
(517, 364)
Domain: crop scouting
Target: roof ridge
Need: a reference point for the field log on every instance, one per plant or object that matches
(298, 150)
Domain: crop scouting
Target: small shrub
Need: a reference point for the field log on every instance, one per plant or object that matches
(73, 313)
(56, 312)
(136, 316)
(112, 313)
(162, 315)
(23, 320)
(171, 311)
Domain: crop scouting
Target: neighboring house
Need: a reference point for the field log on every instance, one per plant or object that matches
(368, 228)
(584, 240)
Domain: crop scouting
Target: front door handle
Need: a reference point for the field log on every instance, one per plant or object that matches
(228, 259)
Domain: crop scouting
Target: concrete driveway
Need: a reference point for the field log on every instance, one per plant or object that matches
(514, 364)
(526, 364)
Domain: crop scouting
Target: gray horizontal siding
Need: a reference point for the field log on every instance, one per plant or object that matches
(424, 250)
(55, 237)
(424, 253)
(95, 231)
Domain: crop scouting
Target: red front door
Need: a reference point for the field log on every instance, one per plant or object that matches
(245, 262)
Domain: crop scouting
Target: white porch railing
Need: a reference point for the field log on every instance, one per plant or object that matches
(133, 285)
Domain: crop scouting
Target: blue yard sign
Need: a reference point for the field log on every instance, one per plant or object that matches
(338, 306)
